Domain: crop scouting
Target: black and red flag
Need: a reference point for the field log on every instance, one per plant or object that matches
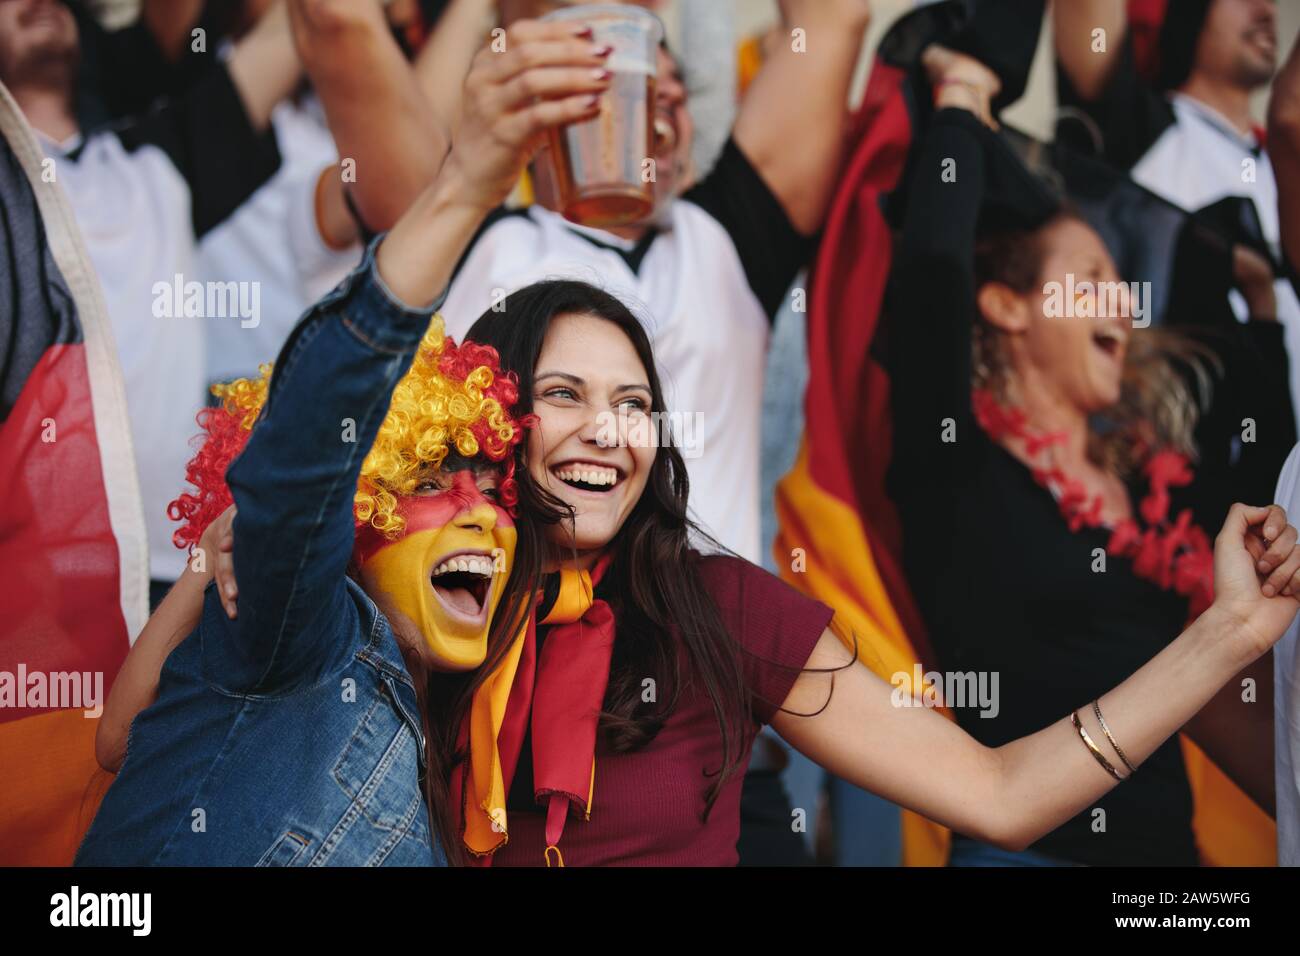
(74, 587)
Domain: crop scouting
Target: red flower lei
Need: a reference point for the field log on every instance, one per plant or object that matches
(1175, 556)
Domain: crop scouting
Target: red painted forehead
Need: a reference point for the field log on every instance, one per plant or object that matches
(429, 512)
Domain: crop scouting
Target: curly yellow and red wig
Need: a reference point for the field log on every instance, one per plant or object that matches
(452, 397)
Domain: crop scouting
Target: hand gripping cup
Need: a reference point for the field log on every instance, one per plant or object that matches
(603, 167)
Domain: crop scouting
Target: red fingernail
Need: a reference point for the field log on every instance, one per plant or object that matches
(604, 51)
(584, 31)
(601, 74)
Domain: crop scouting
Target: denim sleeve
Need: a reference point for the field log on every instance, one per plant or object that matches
(294, 485)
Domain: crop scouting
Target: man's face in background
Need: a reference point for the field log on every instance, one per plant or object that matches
(1238, 43)
(38, 43)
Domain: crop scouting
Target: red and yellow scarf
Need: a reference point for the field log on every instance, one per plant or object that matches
(559, 693)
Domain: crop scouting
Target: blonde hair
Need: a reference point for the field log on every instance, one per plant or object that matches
(452, 397)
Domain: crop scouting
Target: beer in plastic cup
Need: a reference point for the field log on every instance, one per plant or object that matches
(602, 166)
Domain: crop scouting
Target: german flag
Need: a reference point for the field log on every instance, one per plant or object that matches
(72, 539)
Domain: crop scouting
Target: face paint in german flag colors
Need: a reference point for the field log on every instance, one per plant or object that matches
(447, 572)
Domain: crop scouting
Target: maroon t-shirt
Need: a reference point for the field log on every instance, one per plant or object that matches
(647, 804)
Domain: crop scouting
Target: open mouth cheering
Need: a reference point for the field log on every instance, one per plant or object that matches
(462, 583)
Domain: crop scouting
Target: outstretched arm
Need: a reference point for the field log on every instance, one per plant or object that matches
(800, 96)
(1013, 795)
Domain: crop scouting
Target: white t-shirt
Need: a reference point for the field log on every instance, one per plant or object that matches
(141, 191)
(274, 238)
(1201, 159)
(1286, 700)
(705, 285)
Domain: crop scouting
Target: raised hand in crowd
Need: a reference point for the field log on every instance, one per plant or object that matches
(961, 81)
(381, 122)
(548, 74)
(799, 97)
(444, 60)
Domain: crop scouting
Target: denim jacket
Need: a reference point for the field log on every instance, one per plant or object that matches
(290, 736)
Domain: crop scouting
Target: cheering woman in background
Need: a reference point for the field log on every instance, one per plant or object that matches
(1043, 455)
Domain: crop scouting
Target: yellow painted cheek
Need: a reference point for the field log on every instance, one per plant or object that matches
(398, 570)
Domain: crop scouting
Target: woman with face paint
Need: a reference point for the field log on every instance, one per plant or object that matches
(432, 553)
(365, 551)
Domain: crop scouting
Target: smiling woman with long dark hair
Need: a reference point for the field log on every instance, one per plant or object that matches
(675, 668)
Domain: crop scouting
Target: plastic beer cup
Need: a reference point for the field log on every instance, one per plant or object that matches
(603, 167)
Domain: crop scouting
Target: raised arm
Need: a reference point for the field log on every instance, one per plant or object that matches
(264, 66)
(1013, 795)
(216, 131)
(380, 120)
(791, 123)
(932, 303)
(444, 61)
(294, 483)
(1079, 48)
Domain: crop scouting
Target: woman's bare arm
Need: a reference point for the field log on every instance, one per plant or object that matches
(383, 127)
(443, 63)
(1013, 795)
